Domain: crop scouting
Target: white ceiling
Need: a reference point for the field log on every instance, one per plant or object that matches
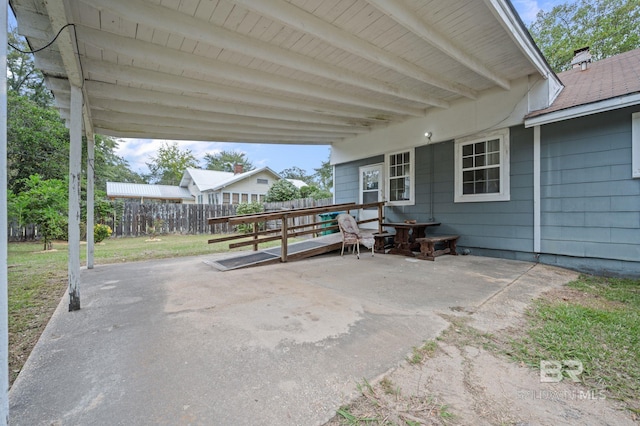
(298, 71)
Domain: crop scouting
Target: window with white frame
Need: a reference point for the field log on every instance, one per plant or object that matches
(635, 144)
(482, 168)
(400, 177)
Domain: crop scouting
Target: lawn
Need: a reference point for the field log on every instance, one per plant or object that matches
(38, 279)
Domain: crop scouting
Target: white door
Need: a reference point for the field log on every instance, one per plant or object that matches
(371, 191)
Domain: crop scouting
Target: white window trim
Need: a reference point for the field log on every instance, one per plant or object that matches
(505, 184)
(635, 145)
(412, 178)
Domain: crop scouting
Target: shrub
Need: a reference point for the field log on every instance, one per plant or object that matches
(100, 232)
(282, 190)
(249, 208)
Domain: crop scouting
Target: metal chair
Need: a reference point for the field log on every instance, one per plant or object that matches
(351, 235)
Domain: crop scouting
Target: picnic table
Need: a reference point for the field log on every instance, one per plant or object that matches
(404, 240)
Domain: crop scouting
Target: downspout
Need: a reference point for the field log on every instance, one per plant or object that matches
(431, 183)
(536, 190)
(4, 237)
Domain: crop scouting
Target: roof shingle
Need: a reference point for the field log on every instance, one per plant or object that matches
(608, 78)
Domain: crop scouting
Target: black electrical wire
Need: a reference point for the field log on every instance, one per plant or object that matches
(48, 44)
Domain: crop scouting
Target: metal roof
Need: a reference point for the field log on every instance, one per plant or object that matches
(279, 71)
(139, 190)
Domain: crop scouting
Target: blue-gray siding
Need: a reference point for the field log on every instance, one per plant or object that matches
(590, 205)
(506, 226)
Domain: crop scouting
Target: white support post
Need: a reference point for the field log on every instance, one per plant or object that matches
(75, 159)
(91, 148)
(4, 237)
(536, 189)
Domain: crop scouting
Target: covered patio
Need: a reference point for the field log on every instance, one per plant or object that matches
(280, 344)
(318, 72)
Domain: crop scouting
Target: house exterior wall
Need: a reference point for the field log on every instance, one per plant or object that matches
(499, 228)
(590, 204)
(245, 190)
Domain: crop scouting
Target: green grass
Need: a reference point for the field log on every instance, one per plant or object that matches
(598, 325)
(38, 280)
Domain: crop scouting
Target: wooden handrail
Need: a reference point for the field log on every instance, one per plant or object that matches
(286, 231)
(262, 217)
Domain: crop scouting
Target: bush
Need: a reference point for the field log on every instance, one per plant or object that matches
(100, 232)
(282, 190)
(249, 208)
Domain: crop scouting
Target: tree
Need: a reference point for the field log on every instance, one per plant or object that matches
(110, 167)
(37, 142)
(44, 203)
(296, 173)
(170, 163)
(323, 176)
(608, 27)
(313, 191)
(282, 190)
(23, 78)
(224, 161)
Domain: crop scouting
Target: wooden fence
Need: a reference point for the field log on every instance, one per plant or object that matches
(134, 219)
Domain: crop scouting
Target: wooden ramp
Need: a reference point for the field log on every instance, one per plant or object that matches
(295, 251)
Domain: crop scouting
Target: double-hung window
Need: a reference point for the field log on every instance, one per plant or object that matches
(482, 168)
(401, 177)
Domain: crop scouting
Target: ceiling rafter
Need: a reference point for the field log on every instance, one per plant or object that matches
(408, 19)
(110, 92)
(202, 31)
(66, 46)
(165, 132)
(171, 82)
(151, 120)
(301, 20)
(215, 118)
(180, 61)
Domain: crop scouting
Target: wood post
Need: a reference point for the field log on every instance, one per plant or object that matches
(91, 148)
(75, 158)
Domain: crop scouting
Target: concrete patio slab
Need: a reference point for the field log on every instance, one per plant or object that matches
(178, 342)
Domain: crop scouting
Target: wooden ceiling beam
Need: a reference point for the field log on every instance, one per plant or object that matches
(182, 61)
(158, 16)
(294, 17)
(408, 19)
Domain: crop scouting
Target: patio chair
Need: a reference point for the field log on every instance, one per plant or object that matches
(351, 235)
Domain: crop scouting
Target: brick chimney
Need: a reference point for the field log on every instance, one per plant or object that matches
(581, 58)
(237, 169)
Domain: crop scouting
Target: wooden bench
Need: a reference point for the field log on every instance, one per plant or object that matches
(380, 241)
(427, 246)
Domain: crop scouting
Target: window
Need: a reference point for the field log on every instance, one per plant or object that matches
(199, 198)
(263, 181)
(400, 177)
(245, 198)
(254, 198)
(235, 197)
(482, 168)
(226, 198)
(635, 144)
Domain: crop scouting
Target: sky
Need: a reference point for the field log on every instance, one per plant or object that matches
(138, 152)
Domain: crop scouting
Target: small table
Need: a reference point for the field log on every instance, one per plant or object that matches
(406, 234)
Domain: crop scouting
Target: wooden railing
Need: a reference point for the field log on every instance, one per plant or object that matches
(287, 229)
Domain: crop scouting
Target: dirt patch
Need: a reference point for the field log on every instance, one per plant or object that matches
(466, 380)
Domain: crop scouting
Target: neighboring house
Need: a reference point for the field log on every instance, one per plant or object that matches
(145, 193)
(223, 188)
(205, 187)
(559, 185)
